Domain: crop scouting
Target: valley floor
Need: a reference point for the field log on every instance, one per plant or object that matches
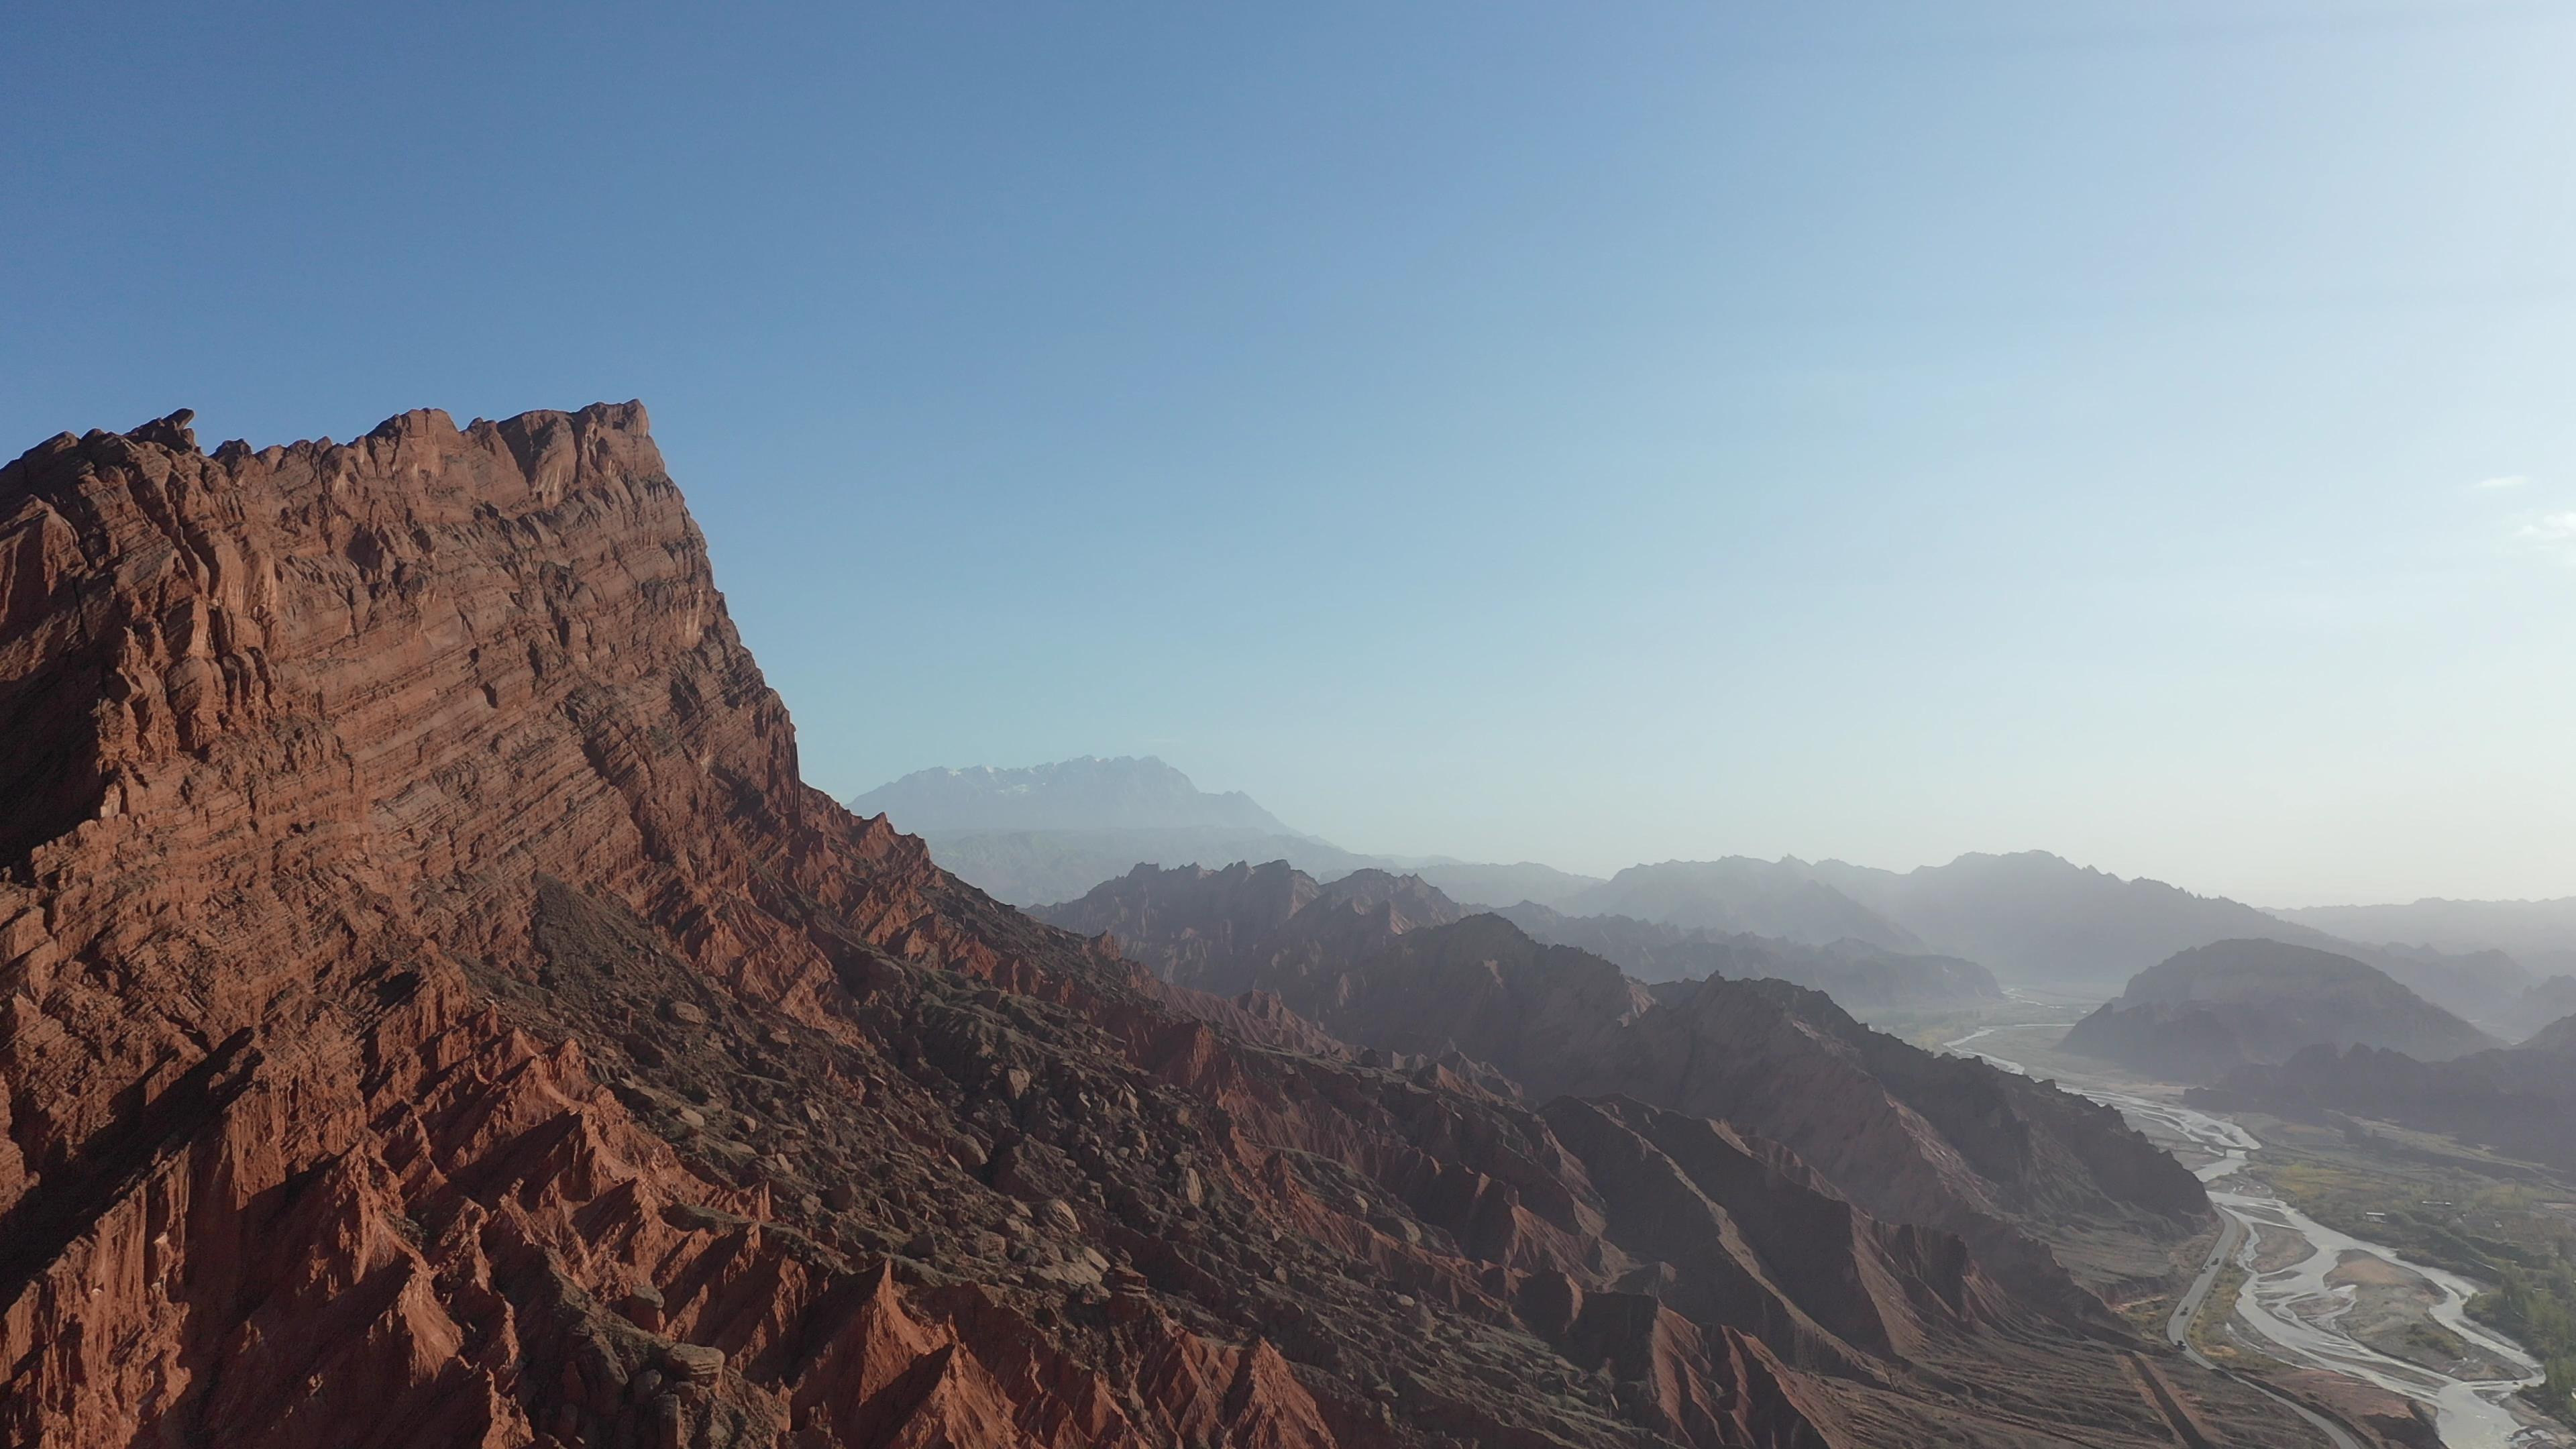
(2364, 1250)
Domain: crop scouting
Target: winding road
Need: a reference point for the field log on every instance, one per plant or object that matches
(2178, 1328)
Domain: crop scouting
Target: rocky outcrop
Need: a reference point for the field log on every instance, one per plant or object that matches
(434, 1012)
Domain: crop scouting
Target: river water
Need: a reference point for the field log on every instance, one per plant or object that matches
(2294, 1309)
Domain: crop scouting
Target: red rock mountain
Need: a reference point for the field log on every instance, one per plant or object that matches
(434, 1012)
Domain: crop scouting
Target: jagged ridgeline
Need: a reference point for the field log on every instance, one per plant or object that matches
(436, 1013)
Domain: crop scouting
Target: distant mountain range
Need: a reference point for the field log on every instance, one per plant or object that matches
(1088, 793)
(1782, 898)
(2541, 935)
(1049, 833)
(2032, 918)
(2039, 920)
(2207, 1011)
(1501, 885)
(1864, 979)
(1198, 928)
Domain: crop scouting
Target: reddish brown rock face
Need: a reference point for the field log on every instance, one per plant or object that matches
(433, 1011)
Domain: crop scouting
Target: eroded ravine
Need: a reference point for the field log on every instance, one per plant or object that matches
(2293, 1308)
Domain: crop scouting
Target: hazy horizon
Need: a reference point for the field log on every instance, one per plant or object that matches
(1610, 866)
(1512, 434)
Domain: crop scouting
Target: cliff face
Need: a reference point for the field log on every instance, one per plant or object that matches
(433, 1012)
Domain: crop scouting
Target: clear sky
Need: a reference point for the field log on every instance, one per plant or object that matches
(1573, 432)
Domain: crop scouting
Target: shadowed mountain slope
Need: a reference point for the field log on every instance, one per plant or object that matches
(2037, 919)
(1080, 794)
(2519, 1100)
(1050, 832)
(1949, 1142)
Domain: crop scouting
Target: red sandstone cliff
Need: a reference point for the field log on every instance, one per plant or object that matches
(433, 1012)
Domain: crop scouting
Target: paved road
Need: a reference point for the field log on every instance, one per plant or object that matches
(2187, 1308)
(2178, 1331)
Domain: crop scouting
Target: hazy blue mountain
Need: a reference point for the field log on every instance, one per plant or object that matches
(2488, 988)
(1033, 868)
(1127, 793)
(2550, 1001)
(2539, 934)
(1047, 833)
(1050, 832)
(1863, 979)
(1740, 895)
(2206, 1011)
(2040, 920)
(1501, 885)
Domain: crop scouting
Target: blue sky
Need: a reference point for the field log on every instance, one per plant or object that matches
(1578, 433)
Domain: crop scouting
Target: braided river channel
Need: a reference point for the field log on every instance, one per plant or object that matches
(2293, 1309)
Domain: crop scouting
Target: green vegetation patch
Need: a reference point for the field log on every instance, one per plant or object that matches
(2539, 1310)
(2209, 1331)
